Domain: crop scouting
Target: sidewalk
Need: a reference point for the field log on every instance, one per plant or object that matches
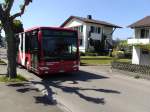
(23, 97)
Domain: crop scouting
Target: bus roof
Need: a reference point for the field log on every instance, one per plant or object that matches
(55, 28)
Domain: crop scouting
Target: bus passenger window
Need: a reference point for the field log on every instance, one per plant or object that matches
(34, 43)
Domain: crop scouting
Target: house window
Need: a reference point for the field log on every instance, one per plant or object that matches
(95, 29)
(144, 51)
(81, 28)
(99, 30)
(92, 29)
(144, 33)
(80, 42)
(78, 28)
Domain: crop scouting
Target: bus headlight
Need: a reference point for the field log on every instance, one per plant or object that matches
(44, 68)
(75, 66)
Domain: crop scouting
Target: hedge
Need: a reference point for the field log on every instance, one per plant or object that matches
(143, 69)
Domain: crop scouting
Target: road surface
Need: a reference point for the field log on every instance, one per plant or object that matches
(94, 89)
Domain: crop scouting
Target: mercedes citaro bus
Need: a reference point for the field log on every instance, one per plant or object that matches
(47, 50)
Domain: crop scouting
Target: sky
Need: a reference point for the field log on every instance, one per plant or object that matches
(55, 12)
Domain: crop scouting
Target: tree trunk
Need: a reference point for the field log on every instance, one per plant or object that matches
(11, 52)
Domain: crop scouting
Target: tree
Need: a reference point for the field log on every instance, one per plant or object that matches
(0, 34)
(17, 26)
(6, 19)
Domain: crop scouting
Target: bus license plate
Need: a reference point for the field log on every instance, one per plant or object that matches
(61, 71)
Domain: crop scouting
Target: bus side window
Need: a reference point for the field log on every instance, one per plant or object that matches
(21, 36)
(34, 43)
(27, 42)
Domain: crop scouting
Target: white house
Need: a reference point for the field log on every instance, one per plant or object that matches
(91, 32)
(141, 41)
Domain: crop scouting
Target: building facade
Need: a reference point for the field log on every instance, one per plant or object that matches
(91, 32)
(141, 42)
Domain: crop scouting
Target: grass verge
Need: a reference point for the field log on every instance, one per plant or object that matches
(19, 78)
(100, 60)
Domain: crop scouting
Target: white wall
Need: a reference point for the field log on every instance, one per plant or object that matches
(83, 47)
(74, 23)
(138, 32)
(86, 30)
(94, 36)
(107, 30)
(139, 58)
(136, 55)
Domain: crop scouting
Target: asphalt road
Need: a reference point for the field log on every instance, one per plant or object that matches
(98, 90)
(22, 97)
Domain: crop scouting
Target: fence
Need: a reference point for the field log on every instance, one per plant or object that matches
(142, 69)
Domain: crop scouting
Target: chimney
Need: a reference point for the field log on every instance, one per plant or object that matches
(89, 16)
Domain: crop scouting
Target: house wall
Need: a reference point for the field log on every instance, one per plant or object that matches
(74, 23)
(96, 36)
(136, 55)
(138, 32)
(107, 30)
(86, 30)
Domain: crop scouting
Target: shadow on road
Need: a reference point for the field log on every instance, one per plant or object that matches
(57, 80)
(73, 77)
(26, 87)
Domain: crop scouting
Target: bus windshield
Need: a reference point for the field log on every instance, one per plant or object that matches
(59, 48)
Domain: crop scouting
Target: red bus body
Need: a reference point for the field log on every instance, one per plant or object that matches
(48, 50)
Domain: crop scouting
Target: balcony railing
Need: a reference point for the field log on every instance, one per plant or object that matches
(135, 41)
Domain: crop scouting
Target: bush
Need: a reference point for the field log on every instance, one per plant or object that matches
(82, 54)
(90, 54)
(128, 54)
(118, 54)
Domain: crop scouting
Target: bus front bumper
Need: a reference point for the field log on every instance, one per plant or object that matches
(49, 70)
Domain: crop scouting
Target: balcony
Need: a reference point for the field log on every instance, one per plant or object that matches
(95, 36)
(138, 41)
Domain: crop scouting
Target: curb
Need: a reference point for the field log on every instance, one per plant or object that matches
(131, 74)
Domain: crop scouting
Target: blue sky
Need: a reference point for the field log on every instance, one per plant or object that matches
(55, 12)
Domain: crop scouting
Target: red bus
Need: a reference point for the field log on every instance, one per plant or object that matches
(46, 50)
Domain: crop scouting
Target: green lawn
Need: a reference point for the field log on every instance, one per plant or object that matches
(100, 60)
(19, 78)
